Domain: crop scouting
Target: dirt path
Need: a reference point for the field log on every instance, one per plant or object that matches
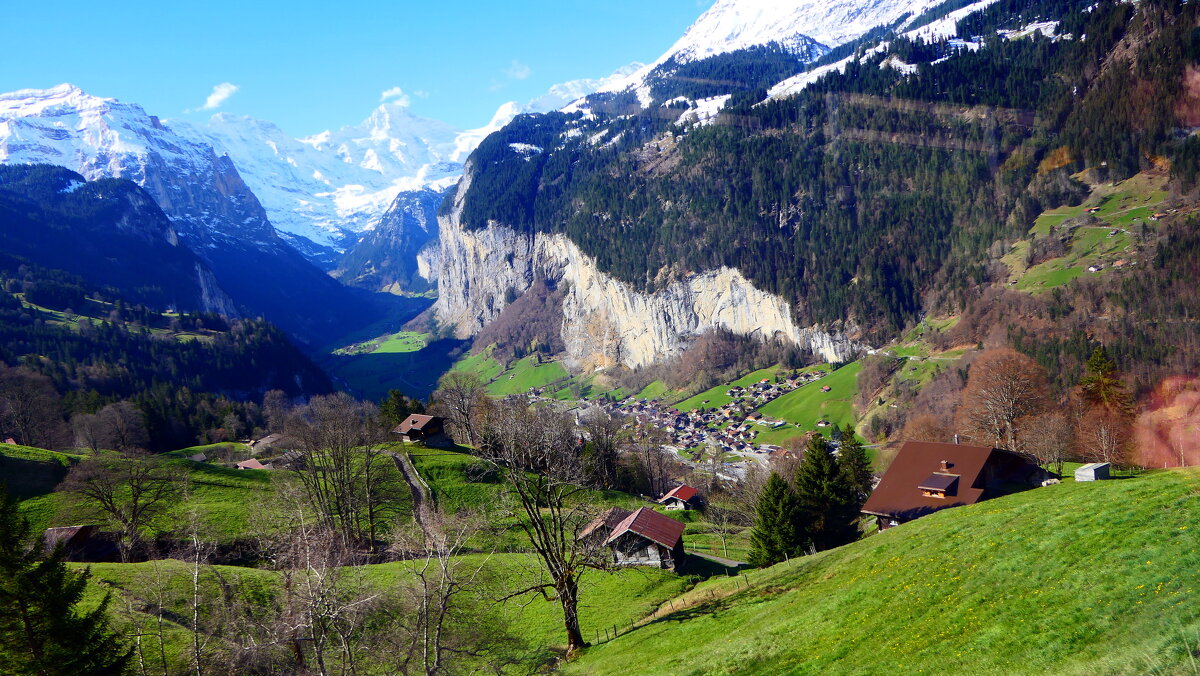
(424, 506)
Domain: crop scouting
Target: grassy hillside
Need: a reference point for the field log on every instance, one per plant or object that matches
(608, 599)
(716, 396)
(804, 407)
(1088, 578)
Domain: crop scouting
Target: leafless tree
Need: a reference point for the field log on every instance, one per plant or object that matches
(325, 600)
(1103, 435)
(458, 398)
(604, 436)
(1048, 437)
(441, 623)
(646, 445)
(120, 426)
(344, 464)
(129, 491)
(1003, 386)
(29, 407)
(537, 451)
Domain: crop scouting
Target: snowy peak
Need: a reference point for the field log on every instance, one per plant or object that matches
(730, 25)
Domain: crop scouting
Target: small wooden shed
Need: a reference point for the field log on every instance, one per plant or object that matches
(1093, 471)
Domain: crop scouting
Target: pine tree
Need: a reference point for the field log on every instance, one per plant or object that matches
(826, 497)
(395, 407)
(42, 630)
(778, 530)
(1102, 387)
(854, 466)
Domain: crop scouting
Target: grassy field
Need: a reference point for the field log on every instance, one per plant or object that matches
(606, 599)
(1090, 578)
(1121, 208)
(521, 374)
(805, 406)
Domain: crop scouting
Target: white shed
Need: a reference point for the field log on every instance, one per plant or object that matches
(1095, 471)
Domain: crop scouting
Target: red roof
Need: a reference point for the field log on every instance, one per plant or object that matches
(965, 477)
(683, 492)
(651, 525)
(415, 421)
(252, 463)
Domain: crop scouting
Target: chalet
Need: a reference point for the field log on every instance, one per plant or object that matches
(417, 427)
(647, 538)
(252, 463)
(83, 544)
(599, 528)
(682, 496)
(926, 477)
(826, 388)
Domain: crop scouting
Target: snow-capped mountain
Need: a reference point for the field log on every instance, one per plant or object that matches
(214, 212)
(322, 192)
(329, 187)
(732, 25)
(199, 190)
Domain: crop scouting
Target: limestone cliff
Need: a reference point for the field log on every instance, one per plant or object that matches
(605, 321)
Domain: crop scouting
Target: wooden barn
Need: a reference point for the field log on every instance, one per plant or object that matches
(418, 427)
(926, 477)
(83, 544)
(682, 496)
(598, 529)
(647, 538)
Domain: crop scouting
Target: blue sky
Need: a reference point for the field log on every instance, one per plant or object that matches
(311, 66)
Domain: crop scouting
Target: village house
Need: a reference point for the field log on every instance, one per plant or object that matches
(647, 538)
(597, 530)
(417, 427)
(682, 496)
(252, 463)
(927, 476)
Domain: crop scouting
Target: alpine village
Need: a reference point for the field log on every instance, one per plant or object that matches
(842, 338)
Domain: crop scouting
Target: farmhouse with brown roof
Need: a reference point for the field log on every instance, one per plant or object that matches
(418, 427)
(647, 538)
(926, 477)
(601, 527)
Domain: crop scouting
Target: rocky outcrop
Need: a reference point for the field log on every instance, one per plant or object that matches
(605, 321)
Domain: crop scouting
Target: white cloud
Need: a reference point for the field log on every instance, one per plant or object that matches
(220, 94)
(518, 71)
(395, 95)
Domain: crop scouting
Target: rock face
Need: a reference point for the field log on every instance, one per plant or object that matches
(606, 321)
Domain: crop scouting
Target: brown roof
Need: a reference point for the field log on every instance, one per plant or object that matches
(682, 491)
(415, 421)
(919, 462)
(938, 482)
(651, 525)
(609, 519)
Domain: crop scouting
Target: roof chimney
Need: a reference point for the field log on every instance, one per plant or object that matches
(945, 465)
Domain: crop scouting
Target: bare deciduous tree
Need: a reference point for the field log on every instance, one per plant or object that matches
(29, 407)
(646, 445)
(603, 434)
(129, 491)
(537, 451)
(1103, 435)
(344, 465)
(1003, 386)
(1048, 437)
(458, 399)
(442, 622)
